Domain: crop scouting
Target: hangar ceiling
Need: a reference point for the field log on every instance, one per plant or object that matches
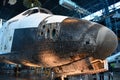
(7, 11)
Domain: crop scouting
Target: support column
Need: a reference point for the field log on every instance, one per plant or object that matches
(106, 13)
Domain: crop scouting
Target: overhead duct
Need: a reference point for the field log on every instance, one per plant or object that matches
(73, 6)
(68, 4)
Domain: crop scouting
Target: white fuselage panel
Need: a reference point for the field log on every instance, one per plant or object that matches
(23, 21)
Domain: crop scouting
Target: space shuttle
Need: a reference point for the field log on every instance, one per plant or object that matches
(68, 45)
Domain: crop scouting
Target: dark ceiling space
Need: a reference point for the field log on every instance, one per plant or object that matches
(7, 11)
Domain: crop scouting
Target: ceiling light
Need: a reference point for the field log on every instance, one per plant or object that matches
(12, 2)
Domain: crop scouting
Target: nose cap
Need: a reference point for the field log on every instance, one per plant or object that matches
(106, 43)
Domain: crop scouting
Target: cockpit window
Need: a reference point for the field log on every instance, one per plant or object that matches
(32, 11)
(29, 12)
(42, 10)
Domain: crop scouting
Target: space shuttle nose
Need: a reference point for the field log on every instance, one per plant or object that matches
(90, 37)
(106, 43)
